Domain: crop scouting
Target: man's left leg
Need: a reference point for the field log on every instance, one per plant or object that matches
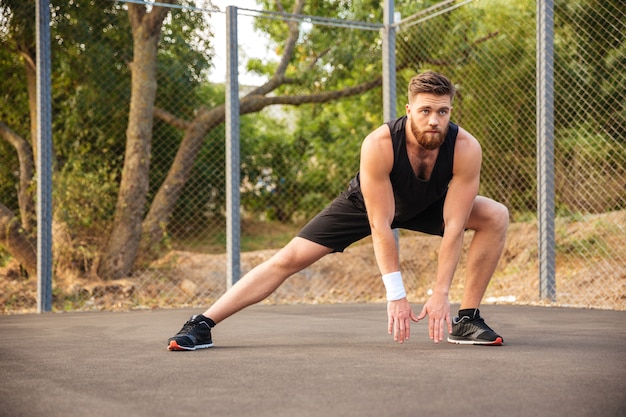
(489, 219)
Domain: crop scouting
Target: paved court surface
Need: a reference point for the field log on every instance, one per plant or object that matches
(312, 360)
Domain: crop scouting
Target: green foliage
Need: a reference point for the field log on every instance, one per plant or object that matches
(184, 60)
(84, 199)
(596, 164)
(91, 50)
(17, 23)
(297, 159)
(293, 167)
(592, 71)
(496, 98)
(326, 57)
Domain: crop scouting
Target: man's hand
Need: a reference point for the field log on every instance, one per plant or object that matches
(400, 314)
(438, 309)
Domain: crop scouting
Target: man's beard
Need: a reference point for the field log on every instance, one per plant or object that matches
(428, 140)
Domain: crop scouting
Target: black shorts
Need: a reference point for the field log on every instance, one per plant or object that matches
(344, 221)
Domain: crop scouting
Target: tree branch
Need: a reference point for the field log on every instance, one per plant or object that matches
(170, 119)
(154, 19)
(278, 78)
(157, 15)
(28, 58)
(254, 103)
(27, 169)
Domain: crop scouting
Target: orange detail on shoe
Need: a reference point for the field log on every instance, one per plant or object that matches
(174, 346)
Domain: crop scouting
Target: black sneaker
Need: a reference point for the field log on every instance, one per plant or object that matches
(195, 334)
(473, 331)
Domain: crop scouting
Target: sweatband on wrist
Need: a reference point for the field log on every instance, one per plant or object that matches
(394, 286)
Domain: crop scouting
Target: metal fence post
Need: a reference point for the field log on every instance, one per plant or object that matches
(389, 70)
(44, 159)
(545, 148)
(233, 228)
(389, 62)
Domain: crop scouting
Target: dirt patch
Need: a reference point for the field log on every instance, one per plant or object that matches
(590, 273)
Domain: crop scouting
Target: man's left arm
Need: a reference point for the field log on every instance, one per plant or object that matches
(462, 191)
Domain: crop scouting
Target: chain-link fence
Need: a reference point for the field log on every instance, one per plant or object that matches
(489, 49)
(301, 129)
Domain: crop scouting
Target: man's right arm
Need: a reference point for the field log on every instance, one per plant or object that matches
(375, 167)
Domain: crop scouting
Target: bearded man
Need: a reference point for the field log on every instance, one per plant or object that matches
(420, 172)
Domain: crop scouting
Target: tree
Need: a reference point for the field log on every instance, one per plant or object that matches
(77, 104)
(123, 244)
(17, 233)
(205, 119)
(315, 66)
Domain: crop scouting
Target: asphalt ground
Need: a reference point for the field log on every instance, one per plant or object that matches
(312, 360)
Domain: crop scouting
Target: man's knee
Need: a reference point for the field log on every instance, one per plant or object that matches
(489, 215)
(297, 255)
(284, 259)
(501, 214)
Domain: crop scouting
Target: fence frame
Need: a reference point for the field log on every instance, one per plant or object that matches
(233, 116)
(44, 158)
(545, 149)
(545, 139)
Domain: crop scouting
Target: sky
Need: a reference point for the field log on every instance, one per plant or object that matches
(251, 44)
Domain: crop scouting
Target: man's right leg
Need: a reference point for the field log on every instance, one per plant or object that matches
(253, 287)
(265, 278)
(340, 224)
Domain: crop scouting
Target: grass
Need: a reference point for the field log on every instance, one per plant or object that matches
(254, 236)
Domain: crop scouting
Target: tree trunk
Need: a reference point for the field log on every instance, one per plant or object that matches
(165, 200)
(17, 241)
(123, 244)
(27, 168)
(162, 206)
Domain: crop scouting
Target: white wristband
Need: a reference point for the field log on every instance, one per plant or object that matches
(394, 286)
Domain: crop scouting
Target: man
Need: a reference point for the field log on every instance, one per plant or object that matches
(420, 172)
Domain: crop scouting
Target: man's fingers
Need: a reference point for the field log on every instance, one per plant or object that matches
(431, 328)
(440, 330)
(436, 329)
(401, 330)
(422, 314)
(399, 336)
(399, 315)
(394, 328)
(407, 328)
(414, 317)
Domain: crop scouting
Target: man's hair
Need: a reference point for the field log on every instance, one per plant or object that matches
(432, 83)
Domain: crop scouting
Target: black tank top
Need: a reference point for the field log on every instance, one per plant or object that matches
(413, 195)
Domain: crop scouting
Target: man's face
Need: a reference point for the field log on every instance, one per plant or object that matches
(429, 115)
